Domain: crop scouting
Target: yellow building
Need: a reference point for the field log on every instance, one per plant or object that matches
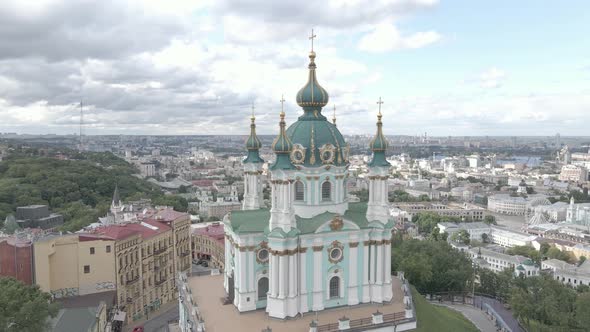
(209, 243)
(148, 255)
(75, 264)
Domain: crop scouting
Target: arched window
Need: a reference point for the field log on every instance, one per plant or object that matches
(334, 287)
(262, 288)
(326, 191)
(299, 191)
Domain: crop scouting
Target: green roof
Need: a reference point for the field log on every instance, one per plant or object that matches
(256, 221)
(249, 221)
(314, 132)
(312, 95)
(356, 213)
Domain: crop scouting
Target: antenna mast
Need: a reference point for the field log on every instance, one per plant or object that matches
(81, 146)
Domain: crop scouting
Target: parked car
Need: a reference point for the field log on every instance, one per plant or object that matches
(138, 329)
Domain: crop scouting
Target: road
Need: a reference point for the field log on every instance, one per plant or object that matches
(501, 310)
(160, 322)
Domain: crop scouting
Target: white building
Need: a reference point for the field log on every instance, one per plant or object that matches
(568, 274)
(147, 169)
(508, 238)
(573, 173)
(498, 262)
(578, 213)
(515, 205)
(475, 229)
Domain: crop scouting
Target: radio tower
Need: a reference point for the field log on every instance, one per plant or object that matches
(81, 143)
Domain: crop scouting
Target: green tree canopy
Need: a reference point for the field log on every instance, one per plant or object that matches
(23, 308)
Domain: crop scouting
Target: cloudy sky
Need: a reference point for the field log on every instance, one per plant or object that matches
(195, 67)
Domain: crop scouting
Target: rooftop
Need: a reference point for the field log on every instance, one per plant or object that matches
(147, 229)
(208, 290)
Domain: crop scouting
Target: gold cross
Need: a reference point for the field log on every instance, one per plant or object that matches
(312, 38)
(252, 109)
(282, 102)
(334, 118)
(380, 102)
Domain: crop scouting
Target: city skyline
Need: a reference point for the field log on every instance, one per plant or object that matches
(176, 68)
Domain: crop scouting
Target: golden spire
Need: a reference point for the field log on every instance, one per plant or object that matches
(334, 116)
(252, 117)
(312, 37)
(282, 106)
(380, 102)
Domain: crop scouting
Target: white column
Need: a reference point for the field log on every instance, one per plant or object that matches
(366, 264)
(318, 296)
(251, 273)
(387, 257)
(292, 275)
(379, 274)
(282, 276)
(274, 274)
(372, 264)
(302, 282)
(353, 276)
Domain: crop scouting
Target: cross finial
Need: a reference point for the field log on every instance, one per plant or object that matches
(312, 38)
(253, 109)
(334, 116)
(380, 102)
(282, 103)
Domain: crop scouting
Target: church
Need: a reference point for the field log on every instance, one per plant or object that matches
(312, 250)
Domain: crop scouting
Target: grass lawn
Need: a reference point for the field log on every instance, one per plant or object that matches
(439, 319)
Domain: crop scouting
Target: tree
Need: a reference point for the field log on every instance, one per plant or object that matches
(485, 238)
(490, 220)
(582, 313)
(462, 236)
(23, 308)
(10, 225)
(544, 248)
(581, 260)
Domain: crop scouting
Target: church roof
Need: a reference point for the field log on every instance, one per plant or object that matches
(312, 96)
(256, 221)
(314, 136)
(253, 144)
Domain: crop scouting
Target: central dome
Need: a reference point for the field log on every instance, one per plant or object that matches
(316, 141)
(312, 96)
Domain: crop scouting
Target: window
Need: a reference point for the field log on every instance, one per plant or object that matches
(92, 250)
(86, 268)
(299, 191)
(334, 287)
(262, 255)
(108, 249)
(326, 191)
(262, 288)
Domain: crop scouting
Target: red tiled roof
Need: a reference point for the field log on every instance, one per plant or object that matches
(166, 215)
(93, 237)
(146, 228)
(214, 230)
(203, 183)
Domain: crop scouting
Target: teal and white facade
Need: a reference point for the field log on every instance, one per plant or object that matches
(312, 250)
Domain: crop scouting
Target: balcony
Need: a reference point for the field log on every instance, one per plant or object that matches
(184, 254)
(160, 250)
(132, 281)
(159, 282)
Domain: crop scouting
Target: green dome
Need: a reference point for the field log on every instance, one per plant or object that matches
(378, 145)
(253, 144)
(312, 96)
(319, 141)
(282, 147)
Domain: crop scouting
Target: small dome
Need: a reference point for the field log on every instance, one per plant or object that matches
(282, 144)
(378, 143)
(253, 142)
(312, 95)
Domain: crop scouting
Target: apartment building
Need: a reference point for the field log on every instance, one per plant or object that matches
(74, 264)
(209, 243)
(148, 255)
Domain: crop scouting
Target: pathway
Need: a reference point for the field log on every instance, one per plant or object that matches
(476, 316)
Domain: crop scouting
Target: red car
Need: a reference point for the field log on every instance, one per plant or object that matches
(138, 329)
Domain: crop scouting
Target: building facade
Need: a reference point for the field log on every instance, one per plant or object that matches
(312, 250)
(74, 264)
(573, 173)
(209, 243)
(16, 258)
